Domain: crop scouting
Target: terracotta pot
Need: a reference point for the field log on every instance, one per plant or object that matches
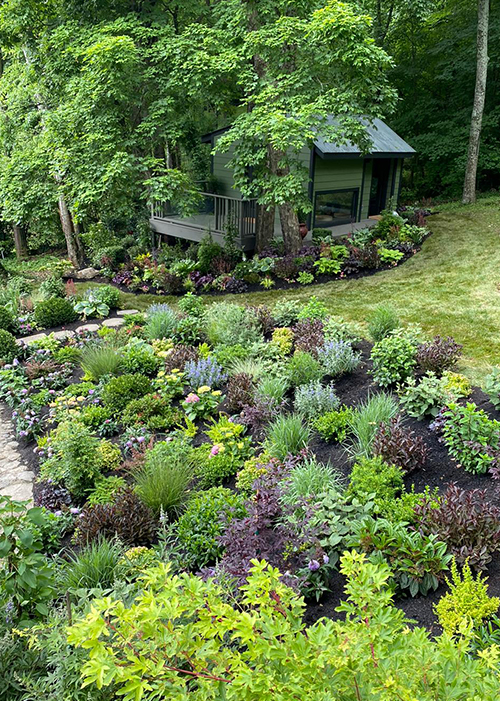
(303, 229)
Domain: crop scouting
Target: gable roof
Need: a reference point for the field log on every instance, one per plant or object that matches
(385, 142)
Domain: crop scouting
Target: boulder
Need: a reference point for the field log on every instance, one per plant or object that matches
(86, 274)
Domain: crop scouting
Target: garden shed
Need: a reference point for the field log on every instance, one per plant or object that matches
(345, 186)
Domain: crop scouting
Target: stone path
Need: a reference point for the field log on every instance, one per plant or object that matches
(16, 480)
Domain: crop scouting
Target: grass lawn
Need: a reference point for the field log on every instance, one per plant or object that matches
(451, 287)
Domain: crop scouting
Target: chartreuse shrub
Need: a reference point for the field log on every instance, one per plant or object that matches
(472, 438)
(261, 649)
(225, 454)
(373, 479)
(203, 522)
(333, 426)
(119, 391)
(467, 602)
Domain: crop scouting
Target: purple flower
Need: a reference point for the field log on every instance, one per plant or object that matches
(74, 510)
(326, 559)
(313, 565)
(141, 439)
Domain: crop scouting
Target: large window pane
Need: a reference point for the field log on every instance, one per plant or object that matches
(335, 208)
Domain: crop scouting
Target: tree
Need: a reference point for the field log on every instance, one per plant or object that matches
(469, 193)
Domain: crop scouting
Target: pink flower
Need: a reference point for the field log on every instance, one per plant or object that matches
(215, 450)
(192, 398)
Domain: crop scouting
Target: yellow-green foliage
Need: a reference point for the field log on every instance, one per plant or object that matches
(252, 469)
(110, 456)
(466, 603)
(457, 385)
(282, 340)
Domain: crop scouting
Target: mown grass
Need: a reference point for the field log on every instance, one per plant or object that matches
(451, 287)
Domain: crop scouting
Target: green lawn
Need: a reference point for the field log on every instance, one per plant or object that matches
(450, 287)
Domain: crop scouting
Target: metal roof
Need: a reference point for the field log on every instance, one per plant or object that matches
(385, 142)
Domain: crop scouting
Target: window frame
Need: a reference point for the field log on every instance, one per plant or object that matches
(354, 208)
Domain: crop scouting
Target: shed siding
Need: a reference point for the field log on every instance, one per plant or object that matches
(365, 196)
(342, 175)
(223, 174)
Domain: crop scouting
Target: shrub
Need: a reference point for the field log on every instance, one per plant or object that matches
(239, 392)
(467, 602)
(471, 437)
(466, 521)
(152, 411)
(253, 468)
(313, 309)
(105, 490)
(374, 479)
(94, 566)
(161, 322)
(110, 257)
(393, 360)
(338, 358)
(229, 324)
(52, 287)
(6, 320)
(164, 480)
(308, 335)
(303, 368)
(314, 399)
(308, 479)
(286, 312)
(54, 312)
(438, 355)
(52, 496)
(8, 346)
(492, 387)
(338, 329)
(204, 372)
(127, 518)
(201, 525)
(399, 446)
(99, 361)
(423, 398)
(119, 391)
(192, 305)
(366, 420)
(382, 321)
(139, 357)
(418, 562)
(105, 294)
(287, 435)
(282, 340)
(333, 426)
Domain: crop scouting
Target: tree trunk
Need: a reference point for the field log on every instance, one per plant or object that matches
(290, 228)
(73, 244)
(20, 241)
(265, 227)
(469, 193)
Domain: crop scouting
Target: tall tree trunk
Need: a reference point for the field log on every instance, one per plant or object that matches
(483, 11)
(73, 244)
(20, 241)
(290, 228)
(265, 227)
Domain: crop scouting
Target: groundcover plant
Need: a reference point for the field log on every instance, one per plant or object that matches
(213, 481)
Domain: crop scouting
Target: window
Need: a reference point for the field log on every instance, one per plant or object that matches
(335, 207)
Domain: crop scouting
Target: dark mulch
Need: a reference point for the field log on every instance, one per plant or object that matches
(439, 471)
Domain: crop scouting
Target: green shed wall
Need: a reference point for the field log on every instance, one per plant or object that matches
(344, 174)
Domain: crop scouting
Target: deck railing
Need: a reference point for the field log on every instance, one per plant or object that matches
(216, 212)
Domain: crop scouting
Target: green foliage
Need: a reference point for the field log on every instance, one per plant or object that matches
(308, 479)
(52, 287)
(54, 312)
(152, 411)
(94, 566)
(272, 388)
(313, 309)
(314, 399)
(161, 322)
(382, 321)
(105, 489)
(492, 387)
(394, 359)
(304, 278)
(471, 437)
(466, 603)
(99, 361)
(164, 480)
(287, 435)
(8, 346)
(374, 480)
(338, 329)
(201, 525)
(26, 575)
(139, 357)
(282, 339)
(366, 419)
(286, 312)
(334, 426)
(303, 368)
(431, 393)
(390, 255)
(230, 325)
(6, 319)
(119, 391)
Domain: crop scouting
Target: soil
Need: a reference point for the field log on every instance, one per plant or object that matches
(440, 470)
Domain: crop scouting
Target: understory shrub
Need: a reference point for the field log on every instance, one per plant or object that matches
(393, 360)
(472, 438)
(139, 357)
(303, 368)
(382, 321)
(366, 419)
(126, 518)
(336, 328)
(228, 324)
(465, 520)
(8, 346)
(54, 312)
(372, 479)
(409, 659)
(333, 426)
(314, 399)
(438, 355)
(467, 602)
(286, 312)
(400, 446)
(282, 340)
(338, 358)
(203, 523)
(152, 411)
(119, 391)
(6, 319)
(287, 435)
(178, 356)
(308, 336)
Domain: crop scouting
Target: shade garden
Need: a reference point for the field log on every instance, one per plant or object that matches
(220, 483)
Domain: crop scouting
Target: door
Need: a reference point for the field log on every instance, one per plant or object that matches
(380, 184)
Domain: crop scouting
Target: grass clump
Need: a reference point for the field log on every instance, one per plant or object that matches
(366, 420)
(287, 435)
